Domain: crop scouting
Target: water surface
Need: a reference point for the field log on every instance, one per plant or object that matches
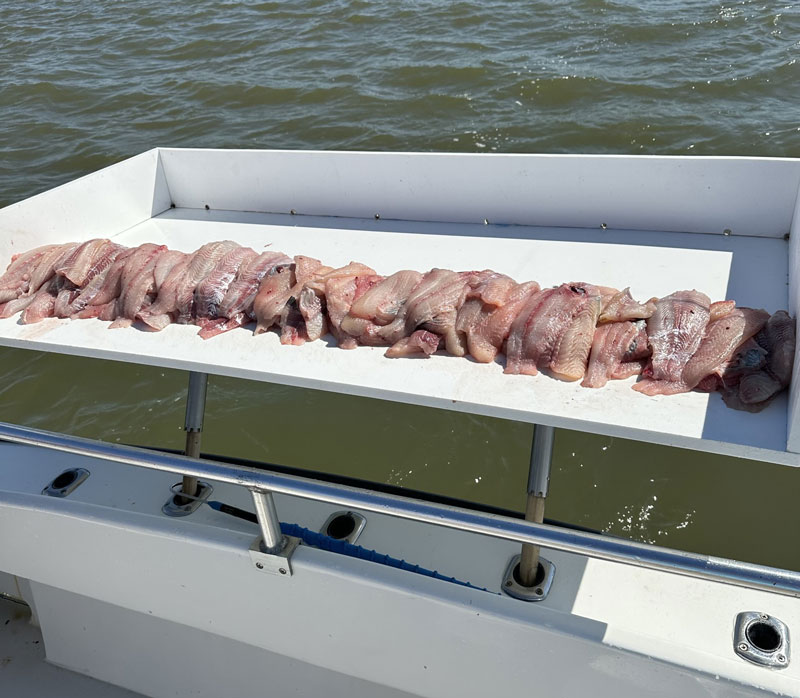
(85, 84)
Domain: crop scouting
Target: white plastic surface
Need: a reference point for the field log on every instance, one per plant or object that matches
(753, 270)
(138, 585)
(749, 196)
(25, 672)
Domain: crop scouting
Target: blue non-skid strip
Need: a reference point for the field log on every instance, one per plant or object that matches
(342, 547)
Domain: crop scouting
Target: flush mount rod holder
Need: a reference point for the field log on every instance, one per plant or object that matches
(538, 484)
(193, 426)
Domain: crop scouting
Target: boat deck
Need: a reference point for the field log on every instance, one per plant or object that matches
(24, 671)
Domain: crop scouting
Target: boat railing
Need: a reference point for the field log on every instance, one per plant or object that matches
(264, 483)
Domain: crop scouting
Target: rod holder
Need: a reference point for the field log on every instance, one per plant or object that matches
(537, 591)
(538, 486)
(196, 401)
(541, 456)
(193, 426)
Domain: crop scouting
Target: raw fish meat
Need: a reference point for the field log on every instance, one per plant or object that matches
(73, 302)
(488, 332)
(674, 332)
(108, 286)
(419, 342)
(165, 264)
(76, 265)
(340, 294)
(137, 283)
(175, 301)
(210, 292)
(312, 300)
(571, 353)
(433, 306)
(310, 306)
(17, 278)
(272, 297)
(15, 305)
(158, 315)
(748, 358)
(757, 388)
(378, 306)
(721, 339)
(236, 308)
(573, 331)
(41, 306)
(720, 309)
(614, 347)
(621, 306)
(554, 329)
(382, 302)
(46, 267)
(483, 298)
(200, 265)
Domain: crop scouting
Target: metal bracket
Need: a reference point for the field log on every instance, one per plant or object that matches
(173, 508)
(537, 592)
(277, 563)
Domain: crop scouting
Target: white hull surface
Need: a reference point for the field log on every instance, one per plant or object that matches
(169, 607)
(176, 606)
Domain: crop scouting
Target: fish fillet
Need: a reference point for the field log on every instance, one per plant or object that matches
(272, 297)
(76, 265)
(210, 292)
(236, 308)
(552, 331)
(674, 332)
(621, 306)
(418, 343)
(432, 305)
(612, 342)
(17, 277)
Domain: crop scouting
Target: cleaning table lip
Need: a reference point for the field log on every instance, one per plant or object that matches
(651, 263)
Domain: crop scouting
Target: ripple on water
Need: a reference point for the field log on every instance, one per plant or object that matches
(87, 84)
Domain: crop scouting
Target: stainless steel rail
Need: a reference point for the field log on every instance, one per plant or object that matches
(592, 545)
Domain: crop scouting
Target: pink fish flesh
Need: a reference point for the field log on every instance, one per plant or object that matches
(554, 329)
(77, 264)
(420, 342)
(621, 306)
(721, 339)
(210, 292)
(17, 278)
(674, 332)
(613, 343)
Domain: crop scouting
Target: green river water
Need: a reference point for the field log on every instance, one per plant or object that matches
(85, 84)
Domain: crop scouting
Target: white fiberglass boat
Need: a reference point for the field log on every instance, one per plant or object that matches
(108, 574)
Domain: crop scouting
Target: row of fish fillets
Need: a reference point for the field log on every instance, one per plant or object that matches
(575, 331)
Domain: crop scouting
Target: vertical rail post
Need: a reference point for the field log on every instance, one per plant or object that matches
(272, 541)
(193, 426)
(538, 484)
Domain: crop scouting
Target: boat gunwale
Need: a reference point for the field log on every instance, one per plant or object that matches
(634, 553)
